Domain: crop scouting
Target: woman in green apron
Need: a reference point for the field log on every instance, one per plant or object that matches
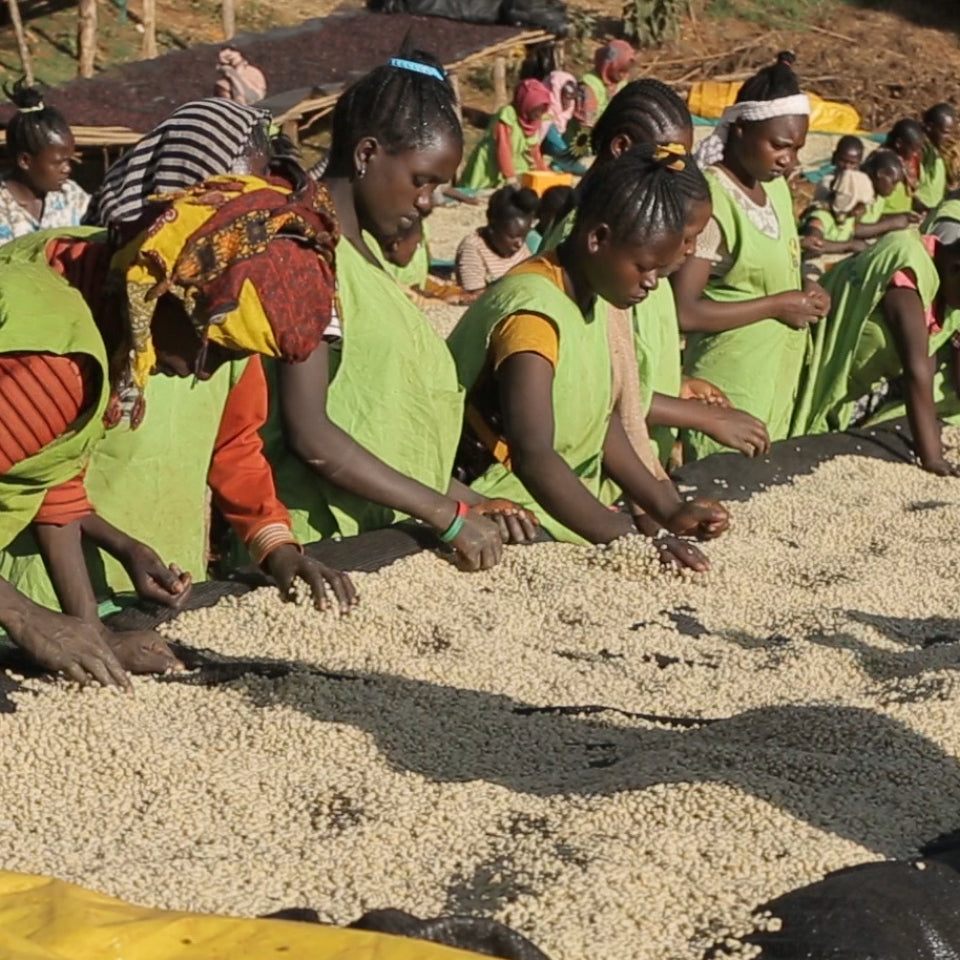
(132, 314)
(365, 431)
(533, 354)
(939, 125)
(894, 308)
(740, 297)
(612, 64)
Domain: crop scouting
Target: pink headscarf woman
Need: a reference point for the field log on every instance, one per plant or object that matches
(563, 99)
(531, 101)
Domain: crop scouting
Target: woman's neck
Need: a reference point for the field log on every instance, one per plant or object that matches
(341, 193)
(23, 192)
(733, 166)
(574, 278)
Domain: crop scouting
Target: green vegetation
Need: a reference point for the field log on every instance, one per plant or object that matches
(651, 22)
(771, 13)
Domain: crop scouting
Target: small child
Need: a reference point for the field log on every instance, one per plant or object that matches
(488, 253)
(848, 155)
(829, 225)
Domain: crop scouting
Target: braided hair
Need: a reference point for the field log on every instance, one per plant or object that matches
(773, 82)
(884, 159)
(34, 126)
(908, 132)
(512, 203)
(646, 111)
(642, 195)
(402, 107)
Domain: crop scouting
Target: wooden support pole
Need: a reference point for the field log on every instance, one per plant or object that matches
(229, 14)
(454, 78)
(500, 82)
(87, 37)
(25, 61)
(149, 48)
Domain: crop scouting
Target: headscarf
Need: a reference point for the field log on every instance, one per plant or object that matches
(615, 53)
(201, 139)
(530, 95)
(251, 262)
(712, 149)
(560, 116)
(239, 80)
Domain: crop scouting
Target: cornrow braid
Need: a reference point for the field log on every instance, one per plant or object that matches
(34, 126)
(642, 195)
(646, 111)
(403, 108)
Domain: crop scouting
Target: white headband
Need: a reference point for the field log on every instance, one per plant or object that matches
(711, 150)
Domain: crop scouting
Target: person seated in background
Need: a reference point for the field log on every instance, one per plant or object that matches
(563, 104)
(511, 144)
(829, 225)
(37, 193)
(239, 80)
(406, 257)
(939, 125)
(886, 172)
(612, 64)
(906, 140)
(553, 206)
(848, 154)
(542, 428)
(489, 252)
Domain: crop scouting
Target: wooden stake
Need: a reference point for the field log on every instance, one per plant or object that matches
(500, 82)
(229, 14)
(454, 79)
(87, 37)
(25, 60)
(149, 48)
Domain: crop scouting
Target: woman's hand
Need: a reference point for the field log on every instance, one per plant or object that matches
(143, 651)
(76, 648)
(677, 554)
(797, 309)
(693, 388)
(516, 524)
(478, 545)
(811, 244)
(700, 518)
(739, 430)
(152, 578)
(286, 563)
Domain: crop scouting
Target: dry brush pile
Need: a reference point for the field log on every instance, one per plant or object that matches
(599, 755)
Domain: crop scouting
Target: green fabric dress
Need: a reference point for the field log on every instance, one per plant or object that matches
(415, 273)
(482, 170)
(757, 366)
(41, 313)
(853, 350)
(932, 187)
(875, 211)
(582, 400)
(948, 210)
(831, 229)
(899, 201)
(393, 389)
(656, 339)
(150, 482)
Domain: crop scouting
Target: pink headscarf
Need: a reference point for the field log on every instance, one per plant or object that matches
(612, 54)
(530, 95)
(560, 116)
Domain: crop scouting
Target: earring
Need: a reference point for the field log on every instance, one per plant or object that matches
(361, 171)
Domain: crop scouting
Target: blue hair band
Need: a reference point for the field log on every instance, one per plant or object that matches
(415, 66)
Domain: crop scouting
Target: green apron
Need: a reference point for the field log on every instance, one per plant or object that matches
(151, 462)
(948, 210)
(757, 366)
(393, 389)
(656, 339)
(581, 384)
(832, 230)
(932, 187)
(558, 232)
(852, 348)
(415, 273)
(899, 201)
(875, 211)
(41, 313)
(482, 169)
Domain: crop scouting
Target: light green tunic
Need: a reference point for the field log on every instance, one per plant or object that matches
(582, 400)
(757, 366)
(482, 169)
(393, 389)
(932, 187)
(832, 230)
(853, 350)
(415, 273)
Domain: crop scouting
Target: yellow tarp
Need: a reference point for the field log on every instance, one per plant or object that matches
(44, 919)
(709, 98)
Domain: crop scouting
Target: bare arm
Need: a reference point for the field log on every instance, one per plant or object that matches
(904, 316)
(886, 224)
(62, 550)
(525, 382)
(699, 314)
(731, 427)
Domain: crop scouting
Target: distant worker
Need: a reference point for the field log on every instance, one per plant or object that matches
(239, 80)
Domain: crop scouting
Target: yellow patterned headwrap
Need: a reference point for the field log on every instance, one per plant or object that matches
(227, 250)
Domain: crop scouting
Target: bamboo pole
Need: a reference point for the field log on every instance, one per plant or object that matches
(87, 37)
(229, 13)
(25, 60)
(149, 48)
(500, 97)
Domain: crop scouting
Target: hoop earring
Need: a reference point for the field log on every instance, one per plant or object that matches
(361, 172)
